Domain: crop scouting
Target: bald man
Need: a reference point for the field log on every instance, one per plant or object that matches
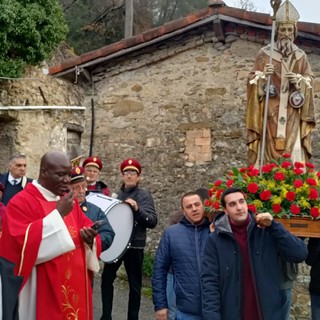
(49, 239)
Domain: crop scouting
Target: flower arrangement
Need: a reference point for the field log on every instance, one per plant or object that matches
(285, 189)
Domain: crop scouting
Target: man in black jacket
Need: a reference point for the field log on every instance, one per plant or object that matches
(145, 217)
(14, 180)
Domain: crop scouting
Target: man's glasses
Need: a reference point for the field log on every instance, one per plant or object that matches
(130, 173)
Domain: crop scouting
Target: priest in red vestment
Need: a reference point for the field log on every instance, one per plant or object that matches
(49, 239)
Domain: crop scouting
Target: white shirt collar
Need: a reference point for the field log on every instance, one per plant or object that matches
(48, 195)
(11, 178)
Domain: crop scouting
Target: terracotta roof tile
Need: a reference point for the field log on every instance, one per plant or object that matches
(167, 28)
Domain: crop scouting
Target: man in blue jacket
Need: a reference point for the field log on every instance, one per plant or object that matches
(181, 248)
(242, 274)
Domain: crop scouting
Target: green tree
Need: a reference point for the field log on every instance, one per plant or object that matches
(30, 31)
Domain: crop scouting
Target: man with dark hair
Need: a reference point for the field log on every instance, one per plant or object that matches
(14, 180)
(51, 242)
(242, 271)
(181, 248)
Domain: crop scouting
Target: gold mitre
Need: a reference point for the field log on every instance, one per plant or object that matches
(287, 13)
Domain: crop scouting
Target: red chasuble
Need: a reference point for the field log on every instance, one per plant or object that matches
(63, 289)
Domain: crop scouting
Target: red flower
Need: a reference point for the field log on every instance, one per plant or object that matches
(254, 172)
(252, 208)
(310, 165)
(253, 187)
(212, 191)
(229, 183)
(218, 183)
(276, 208)
(266, 168)
(286, 155)
(318, 174)
(286, 164)
(297, 171)
(279, 176)
(207, 203)
(219, 193)
(314, 212)
(298, 165)
(314, 194)
(242, 170)
(295, 209)
(290, 196)
(298, 183)
(265, 195)
(216, 205)
(311, 181)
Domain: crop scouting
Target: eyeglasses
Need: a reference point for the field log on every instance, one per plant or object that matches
(130, 173)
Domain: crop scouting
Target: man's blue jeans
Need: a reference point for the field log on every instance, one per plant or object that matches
(315, 307)
(171, 297)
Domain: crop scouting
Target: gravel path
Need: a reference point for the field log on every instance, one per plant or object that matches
(120, 302)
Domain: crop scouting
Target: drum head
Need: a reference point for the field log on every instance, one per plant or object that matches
(120, 217)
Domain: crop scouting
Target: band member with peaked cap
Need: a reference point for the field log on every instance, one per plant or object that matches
(145, 217)
(92, 167)
(78, 186)
(49, 239)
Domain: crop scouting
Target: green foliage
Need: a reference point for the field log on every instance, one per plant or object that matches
(30, 31)
(147, 266)
(96, 23)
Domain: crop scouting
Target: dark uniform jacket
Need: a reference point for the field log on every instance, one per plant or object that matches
(94, 213)
(145, 217)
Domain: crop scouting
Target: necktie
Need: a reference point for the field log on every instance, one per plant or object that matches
(15, 182)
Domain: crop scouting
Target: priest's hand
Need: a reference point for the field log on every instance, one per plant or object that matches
(65, 204)
(88, 235)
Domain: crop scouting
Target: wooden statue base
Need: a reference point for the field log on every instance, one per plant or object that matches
(301, 226)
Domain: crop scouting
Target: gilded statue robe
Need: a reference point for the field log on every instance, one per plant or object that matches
(299, 122)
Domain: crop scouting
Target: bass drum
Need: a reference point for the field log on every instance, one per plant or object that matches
(120, 216)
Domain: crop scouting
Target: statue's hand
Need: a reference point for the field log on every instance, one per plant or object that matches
(268, 69)
(294, 79)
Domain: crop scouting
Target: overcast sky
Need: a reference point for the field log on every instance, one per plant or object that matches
(309, 10)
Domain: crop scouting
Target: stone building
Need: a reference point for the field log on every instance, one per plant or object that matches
(173, 97)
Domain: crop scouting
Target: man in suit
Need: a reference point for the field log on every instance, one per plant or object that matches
(14, 180)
